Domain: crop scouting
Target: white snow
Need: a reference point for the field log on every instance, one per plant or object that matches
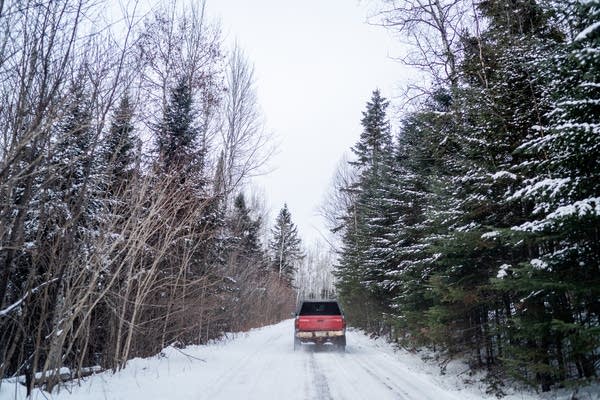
(580, 208)
(539, 264)
(466, 228)
(262, 365)
(61, 371)
(490, 235)
(504, 174)
(502, 271)
(587, 31)
(546, 186)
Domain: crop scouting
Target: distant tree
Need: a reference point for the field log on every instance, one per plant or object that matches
(177, 134)
(285, 246)
(339, 199)
(120, 146)
(375, 139)
(245, 228)
(314, 278)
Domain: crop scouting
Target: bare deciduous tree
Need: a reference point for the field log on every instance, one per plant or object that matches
(433, 28)
(246, 145)
(314, 278)
(340, 199)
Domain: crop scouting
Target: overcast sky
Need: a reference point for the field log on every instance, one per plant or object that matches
(317, 63)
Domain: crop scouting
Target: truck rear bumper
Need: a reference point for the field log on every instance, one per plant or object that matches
(319, 334)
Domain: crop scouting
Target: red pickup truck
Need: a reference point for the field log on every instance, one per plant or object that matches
(320, 322)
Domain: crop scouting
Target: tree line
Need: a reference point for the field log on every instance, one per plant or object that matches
(125, 149)
(476, 229)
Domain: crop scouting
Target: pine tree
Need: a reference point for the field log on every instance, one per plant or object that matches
(178, 136)
(120, 145)
(70, 216)
(285, 246)
(559, 281)
(375, 140)
(424, 162)
(244, 228)
(363, 265)
(72, 193)
(484, 121)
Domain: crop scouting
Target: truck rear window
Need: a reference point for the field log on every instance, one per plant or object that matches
(320, 308)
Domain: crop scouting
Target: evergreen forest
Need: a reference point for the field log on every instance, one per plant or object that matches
(473, 227)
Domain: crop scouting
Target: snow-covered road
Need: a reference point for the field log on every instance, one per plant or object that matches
(262, 365)
(266, 367)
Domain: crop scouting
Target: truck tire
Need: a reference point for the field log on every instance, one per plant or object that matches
(341, 344)
(296, 343)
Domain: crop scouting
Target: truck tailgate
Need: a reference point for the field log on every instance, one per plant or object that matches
(320, 323)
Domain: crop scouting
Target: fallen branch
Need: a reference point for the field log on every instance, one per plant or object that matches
(22, 299)
(189, 355)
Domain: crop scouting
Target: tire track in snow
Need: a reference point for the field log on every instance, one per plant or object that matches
(402, 382)
(385, 380)
(226, 377)
(319, 380)
(351, 380)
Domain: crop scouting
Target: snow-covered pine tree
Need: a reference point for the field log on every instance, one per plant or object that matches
(181, 156)
(71, 192)
(375, 140)
(245, 229)
(285, 246)
(177, 137)
(559, 280)
(120, 146)
(366, 252)
(245, 267)
(425, 158)
(493, 110)
(119, 169)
